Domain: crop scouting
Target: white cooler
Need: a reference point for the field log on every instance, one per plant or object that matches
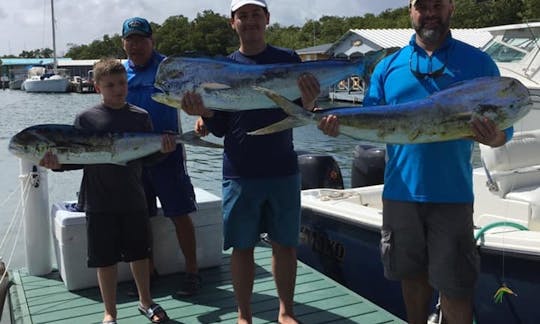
(70, 242)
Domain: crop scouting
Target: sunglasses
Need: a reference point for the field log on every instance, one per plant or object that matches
(429, 74)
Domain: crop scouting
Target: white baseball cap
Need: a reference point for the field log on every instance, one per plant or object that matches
(236, 4)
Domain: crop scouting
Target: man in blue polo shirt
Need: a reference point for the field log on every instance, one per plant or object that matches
(427, 234)
(167, 179)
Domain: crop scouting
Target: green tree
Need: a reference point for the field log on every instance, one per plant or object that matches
(211, 34)
(174, 35)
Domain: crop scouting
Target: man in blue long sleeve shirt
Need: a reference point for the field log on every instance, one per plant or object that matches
(427, 233)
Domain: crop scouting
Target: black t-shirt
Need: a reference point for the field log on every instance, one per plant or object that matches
(109, 188)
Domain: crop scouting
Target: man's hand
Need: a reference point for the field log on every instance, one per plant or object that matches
(309, 89)
(329, 125)
(192, 104)
(486, 132)
(200, 127)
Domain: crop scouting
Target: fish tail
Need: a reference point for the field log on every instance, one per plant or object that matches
(298, 116)
(193, 138)
(289, 107)
(372, 58)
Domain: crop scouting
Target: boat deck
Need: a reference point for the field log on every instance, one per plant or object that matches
(318, 299)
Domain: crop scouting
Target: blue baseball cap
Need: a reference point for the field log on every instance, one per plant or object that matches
(136, 25)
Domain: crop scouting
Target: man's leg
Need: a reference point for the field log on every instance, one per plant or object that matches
(457, 310)
(243, 275)
(417, 295)
(107, 286)
(284, 270)
(185, 233)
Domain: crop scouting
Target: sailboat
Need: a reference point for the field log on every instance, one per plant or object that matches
(42, 80)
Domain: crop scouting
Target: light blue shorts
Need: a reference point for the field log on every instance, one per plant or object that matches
(255, 206)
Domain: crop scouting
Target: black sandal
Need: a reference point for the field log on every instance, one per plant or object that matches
(154, 311)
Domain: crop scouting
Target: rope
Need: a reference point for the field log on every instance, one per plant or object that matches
(25, 189)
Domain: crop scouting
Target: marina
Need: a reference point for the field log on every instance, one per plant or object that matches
(335, 223)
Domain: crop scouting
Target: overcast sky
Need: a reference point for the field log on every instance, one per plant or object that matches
(26, 24)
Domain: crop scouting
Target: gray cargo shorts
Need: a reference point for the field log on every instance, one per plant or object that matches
(432, 238)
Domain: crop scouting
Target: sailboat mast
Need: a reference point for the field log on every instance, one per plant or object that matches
(55, 63)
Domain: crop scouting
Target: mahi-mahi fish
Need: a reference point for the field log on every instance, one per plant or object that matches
(77, 146)
(444, 115)
(228, 85)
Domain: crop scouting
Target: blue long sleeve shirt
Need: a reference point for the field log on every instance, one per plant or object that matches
(439, 172)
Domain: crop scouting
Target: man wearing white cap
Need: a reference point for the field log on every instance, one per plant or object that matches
(261, 180)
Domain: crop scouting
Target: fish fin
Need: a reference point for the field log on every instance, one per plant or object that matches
(166, 100)
(215, 86)
(284, 124)
(288, 106)
(193, 138)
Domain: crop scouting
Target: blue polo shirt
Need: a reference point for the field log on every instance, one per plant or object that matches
(140, 89)
(439, 172)
(248, 156)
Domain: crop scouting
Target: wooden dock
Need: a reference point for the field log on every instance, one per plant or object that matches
(318, 299)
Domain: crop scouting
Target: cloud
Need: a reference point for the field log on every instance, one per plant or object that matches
(81, 22)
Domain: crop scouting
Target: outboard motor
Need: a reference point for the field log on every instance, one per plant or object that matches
(319, 171)
(368, 166)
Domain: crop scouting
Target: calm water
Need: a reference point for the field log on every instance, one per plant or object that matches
(20, 109)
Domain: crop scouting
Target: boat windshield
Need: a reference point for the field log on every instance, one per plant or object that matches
(512, 46)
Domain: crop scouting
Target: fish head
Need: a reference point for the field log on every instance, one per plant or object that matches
(173, 75)
(28, 144)
(516, 98)
(504, 100)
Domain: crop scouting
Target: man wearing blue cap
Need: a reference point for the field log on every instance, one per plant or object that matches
(168, 179)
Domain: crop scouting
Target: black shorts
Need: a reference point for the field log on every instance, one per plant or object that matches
(114, 237)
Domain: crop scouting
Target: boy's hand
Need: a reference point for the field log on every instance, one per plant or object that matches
(50, 161)
(168, 143)
(192, 104)
(329, 125)
(309, 89)
(200, 128)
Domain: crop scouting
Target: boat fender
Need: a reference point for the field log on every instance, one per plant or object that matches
(368, 165)
(319, 171)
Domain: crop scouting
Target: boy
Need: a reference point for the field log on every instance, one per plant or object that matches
(113, 195)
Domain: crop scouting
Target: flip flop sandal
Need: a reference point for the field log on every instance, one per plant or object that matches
(154, 311)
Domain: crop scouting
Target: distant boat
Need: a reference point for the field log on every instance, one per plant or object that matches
(43, 80)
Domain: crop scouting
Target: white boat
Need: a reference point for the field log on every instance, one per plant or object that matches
(340, 227)
(40, 81)
(47, 81)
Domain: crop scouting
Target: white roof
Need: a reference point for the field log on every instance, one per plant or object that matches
(400, 37)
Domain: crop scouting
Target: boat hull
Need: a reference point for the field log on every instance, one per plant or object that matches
(46, 85)
(348, 252)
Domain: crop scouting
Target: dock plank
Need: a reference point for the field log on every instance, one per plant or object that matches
(318, 299)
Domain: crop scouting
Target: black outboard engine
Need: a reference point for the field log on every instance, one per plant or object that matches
(368, 166)
(319, 171)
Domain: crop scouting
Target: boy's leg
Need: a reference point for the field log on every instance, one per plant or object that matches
(141, 275)
(243, 275)
(284, 270)
(107, 286)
